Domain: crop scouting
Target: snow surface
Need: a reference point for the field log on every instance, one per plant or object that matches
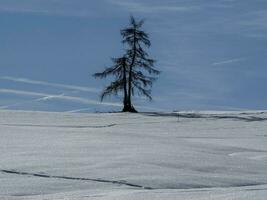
(150, 156)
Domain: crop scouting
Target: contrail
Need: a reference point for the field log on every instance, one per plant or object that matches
(228, 61)
(57, 85)
(45, 96)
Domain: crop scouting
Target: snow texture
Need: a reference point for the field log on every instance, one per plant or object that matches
(118, 156)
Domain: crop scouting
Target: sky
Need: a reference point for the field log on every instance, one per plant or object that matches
(212, 54)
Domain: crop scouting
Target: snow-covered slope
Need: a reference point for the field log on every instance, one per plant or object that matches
(133, 156)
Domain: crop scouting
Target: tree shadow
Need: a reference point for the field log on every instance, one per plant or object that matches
(241, 117)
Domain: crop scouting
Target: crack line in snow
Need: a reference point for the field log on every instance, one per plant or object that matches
(75, 178)
(57, 126)
(199, 189)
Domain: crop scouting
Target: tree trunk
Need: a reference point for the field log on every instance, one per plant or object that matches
(125, 98)
(129, 107)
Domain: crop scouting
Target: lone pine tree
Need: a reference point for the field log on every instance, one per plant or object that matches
(131, 70)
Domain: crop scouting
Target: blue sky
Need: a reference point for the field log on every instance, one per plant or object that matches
(212, 54)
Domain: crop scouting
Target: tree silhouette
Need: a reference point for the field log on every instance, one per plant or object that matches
(139, 61)
(131, 70)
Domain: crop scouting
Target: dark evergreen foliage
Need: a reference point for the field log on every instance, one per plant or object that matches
(120, 83)
(131, 70)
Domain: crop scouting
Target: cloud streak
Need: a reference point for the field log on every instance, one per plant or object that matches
(46, 12)
(225, 62)
(45, 97)
(77, 8)
(57, 85)
(145, 8)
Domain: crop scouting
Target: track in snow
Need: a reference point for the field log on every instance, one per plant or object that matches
(192, 188)
(75, 178)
